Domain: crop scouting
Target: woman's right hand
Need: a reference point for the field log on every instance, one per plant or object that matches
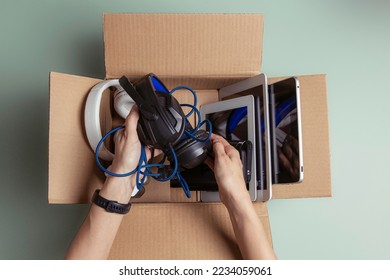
(227, 167)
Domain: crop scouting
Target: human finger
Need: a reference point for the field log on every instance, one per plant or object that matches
(210, 163)
(218, 138)
(118, 136)
(214, 136)
(156, 152)
(218, 149)
(232, 152)
(132, 120)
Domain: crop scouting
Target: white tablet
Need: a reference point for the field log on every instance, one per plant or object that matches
(234, 120)
(257, 87)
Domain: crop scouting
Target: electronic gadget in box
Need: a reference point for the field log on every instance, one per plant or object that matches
(257, 88)
(234, 120)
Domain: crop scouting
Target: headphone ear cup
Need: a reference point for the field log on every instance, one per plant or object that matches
(122, 103)
(191, 152)
(164, 127)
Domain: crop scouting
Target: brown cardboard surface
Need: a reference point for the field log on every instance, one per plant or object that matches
(70, 157)
(183, 45)
(315, 140)
(180, 231)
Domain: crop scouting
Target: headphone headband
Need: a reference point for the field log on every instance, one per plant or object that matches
(92, 116)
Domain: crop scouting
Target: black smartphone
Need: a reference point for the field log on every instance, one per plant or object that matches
(285, 131)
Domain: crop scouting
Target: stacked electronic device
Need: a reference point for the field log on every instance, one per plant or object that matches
(264, 123)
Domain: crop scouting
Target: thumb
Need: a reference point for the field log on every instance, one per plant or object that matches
(131, 121)
(210, 163)
(218, 149)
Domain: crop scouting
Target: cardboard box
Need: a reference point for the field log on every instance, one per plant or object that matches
(206, 52)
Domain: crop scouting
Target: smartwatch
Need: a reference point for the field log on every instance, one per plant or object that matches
(110, 205)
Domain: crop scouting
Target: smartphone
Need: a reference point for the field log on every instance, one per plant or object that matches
(285, 131)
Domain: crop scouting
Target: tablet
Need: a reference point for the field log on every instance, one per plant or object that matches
(257, 87)
(235, 121)
(286, 131)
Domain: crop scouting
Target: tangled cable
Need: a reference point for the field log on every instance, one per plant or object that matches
(144, 168)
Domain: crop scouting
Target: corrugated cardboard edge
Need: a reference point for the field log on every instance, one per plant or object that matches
(60, 161)
(176, 45)
(180, 231)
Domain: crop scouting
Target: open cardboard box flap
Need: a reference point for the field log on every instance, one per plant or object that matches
(180, 231)
(198, 50)
(206, 52)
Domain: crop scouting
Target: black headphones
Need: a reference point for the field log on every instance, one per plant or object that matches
(163, 124)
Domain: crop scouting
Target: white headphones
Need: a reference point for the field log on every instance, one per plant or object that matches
(122, 105)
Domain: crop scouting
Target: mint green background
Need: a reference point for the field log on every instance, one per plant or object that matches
(348, 40)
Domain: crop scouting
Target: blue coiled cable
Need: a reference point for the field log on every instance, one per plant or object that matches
(193, 93)
(143, 167)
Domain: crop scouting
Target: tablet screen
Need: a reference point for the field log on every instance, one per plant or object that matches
(285, 131)
(230, 124)
(257, 92)
(234, 120)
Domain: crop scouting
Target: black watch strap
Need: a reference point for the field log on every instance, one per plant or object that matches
(110, 205)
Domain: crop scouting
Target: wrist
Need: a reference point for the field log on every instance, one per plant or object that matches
(118, 188)
(110, 206)
(233, 201)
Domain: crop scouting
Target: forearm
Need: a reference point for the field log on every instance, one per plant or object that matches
(249, 231)
(97, 233)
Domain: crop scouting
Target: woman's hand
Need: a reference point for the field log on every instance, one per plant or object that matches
(127, 145)
(227, 167)
(126, 158)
